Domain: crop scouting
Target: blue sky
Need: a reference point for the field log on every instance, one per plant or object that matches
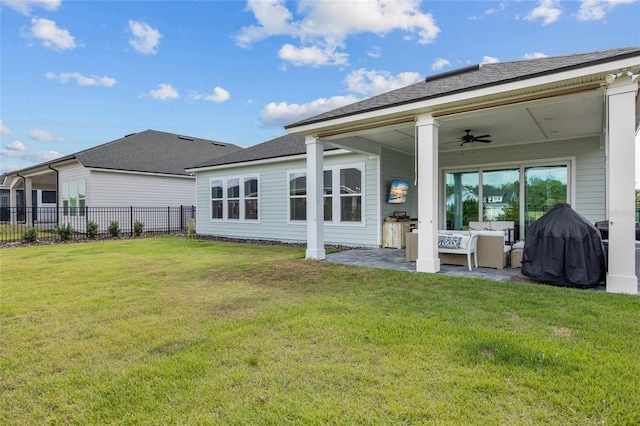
(75, 74)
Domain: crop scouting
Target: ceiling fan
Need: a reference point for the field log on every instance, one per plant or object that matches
(469, 138)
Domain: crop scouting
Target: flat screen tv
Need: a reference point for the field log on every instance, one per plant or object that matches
(398, 192)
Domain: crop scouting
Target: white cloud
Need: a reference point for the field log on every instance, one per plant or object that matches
(312, 55)
(323, 26)
(145, 39)
(440, 64)
(165, 91)
(280, 114)
(548, 10)
(534, 55)
(501, 7)
(375, 82)
(596, 10)
(16, 149)
(4, 131)
(219, 96)
(374, 52)
(24, 6)
(81, 79)
(52, 37)
(16, 146)
(42, 136)
(489, 60)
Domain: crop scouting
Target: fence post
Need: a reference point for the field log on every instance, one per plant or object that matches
(131, 220)
(181, 219)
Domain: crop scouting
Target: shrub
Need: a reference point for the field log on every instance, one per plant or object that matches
(191, 233)
(92, 229)
(138, 227)
(30, 235)
(65, 232)
(114, 228)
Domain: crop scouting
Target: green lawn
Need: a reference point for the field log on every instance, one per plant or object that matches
(180, 331)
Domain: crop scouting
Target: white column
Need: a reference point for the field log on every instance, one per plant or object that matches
(428, 260)
(28, 202)
(315, 209)
(621, 108)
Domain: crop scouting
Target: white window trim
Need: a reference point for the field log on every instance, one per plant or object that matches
(570, 162)
(335, 196)
(242, 198)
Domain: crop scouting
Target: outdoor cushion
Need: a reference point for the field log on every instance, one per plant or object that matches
(449, 241)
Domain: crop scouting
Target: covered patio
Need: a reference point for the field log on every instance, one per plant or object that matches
(568, 120)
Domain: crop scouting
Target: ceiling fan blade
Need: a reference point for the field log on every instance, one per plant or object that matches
(481, 137)
(482, 140)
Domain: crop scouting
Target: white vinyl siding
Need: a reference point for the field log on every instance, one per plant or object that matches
(109, 189)
(274, 204)
(587, 180)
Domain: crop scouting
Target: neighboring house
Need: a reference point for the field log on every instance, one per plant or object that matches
(145, 169)
(564, 123)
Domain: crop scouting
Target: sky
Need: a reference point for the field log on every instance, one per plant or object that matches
(76, 74)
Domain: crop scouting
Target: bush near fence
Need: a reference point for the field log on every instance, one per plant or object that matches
(154, 220)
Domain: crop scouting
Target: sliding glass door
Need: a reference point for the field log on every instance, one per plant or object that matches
(544, 188)
(461, 199)
(519, 193)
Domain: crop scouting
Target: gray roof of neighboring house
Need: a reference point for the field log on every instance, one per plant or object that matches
(470, 78)
(283, 146)
(149, 151)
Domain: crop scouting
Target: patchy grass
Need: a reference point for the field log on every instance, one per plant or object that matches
(181, 331)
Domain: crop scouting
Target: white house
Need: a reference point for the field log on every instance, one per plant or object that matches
(145, 169)
(565, 123)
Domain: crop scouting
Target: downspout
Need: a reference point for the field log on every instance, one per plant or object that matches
(57, 194)
(24, 197)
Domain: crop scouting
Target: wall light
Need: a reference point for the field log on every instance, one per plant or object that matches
(633, 77)
(611, 77)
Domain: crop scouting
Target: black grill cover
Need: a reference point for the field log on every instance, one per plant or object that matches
(562, 247)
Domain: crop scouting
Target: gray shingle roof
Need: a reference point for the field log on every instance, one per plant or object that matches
(472, 78)
(283, 146)
(149, 151)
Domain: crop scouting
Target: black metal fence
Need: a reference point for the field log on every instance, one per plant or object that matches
(23, 224)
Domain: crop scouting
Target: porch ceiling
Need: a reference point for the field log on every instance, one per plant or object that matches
(558, 118)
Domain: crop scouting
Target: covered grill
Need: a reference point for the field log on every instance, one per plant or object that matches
(562, 247)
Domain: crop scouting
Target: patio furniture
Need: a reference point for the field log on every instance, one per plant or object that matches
(492, 250)
(516, 254)
(466, 245)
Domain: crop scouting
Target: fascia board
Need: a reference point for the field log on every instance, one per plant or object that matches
(430, 105)
(265, 161)
(133, 172)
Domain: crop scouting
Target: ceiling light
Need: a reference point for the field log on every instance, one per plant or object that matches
(611, 77)
(633, 77)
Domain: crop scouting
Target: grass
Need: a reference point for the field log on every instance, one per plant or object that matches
(181, 331)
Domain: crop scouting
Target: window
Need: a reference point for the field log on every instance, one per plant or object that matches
(235, 198)
(350, 195)
(48, 197)
(217, 200)
(347, 197)
(73, 198)
(298, 196)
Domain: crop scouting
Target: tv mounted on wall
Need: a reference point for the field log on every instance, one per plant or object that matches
(398, 192)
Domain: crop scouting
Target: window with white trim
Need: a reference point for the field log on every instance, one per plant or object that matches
(74, 198)
(235, 198)
(342, 191)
